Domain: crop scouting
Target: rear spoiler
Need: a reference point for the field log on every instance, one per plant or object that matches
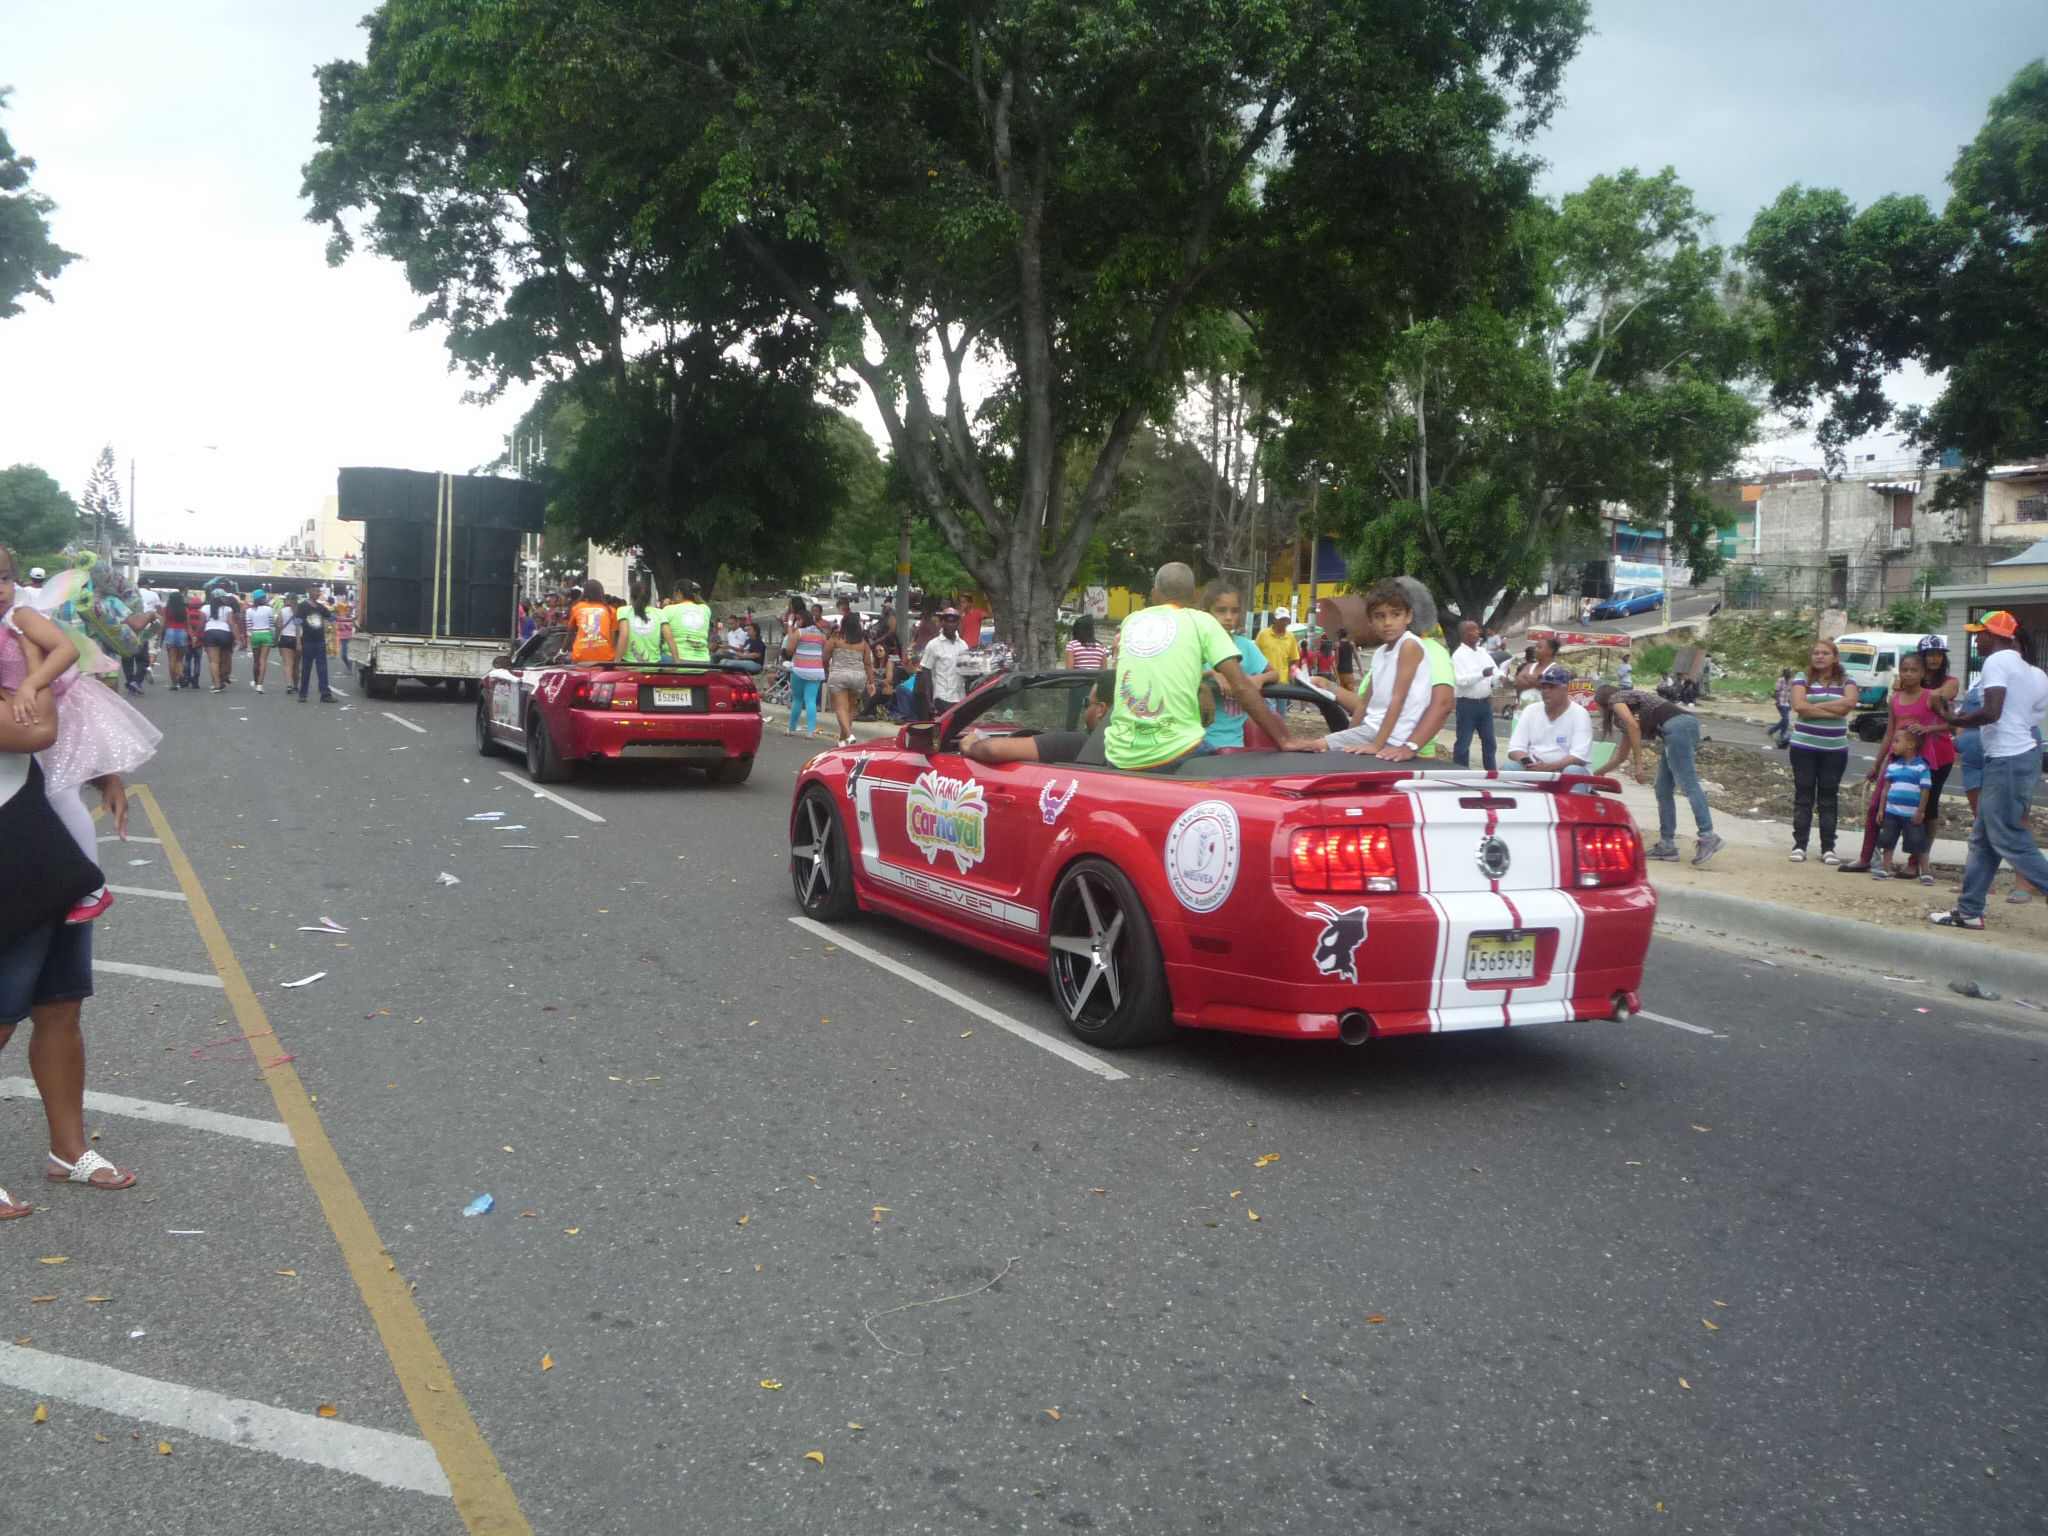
(1382, 780)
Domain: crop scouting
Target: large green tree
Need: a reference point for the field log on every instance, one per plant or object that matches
(1853, 295)
(37, 515)
(29, 258)
(1016, 222)
(1606, 372)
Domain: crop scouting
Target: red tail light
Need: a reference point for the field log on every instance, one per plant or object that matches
(1608, 855)
(1343, 859)
(589, 695)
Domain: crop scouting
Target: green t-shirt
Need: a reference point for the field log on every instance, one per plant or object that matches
(1440, 675)
(640, 638)
(690, 623)
(1157, 713)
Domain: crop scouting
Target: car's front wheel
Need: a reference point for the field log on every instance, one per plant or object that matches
(544, 764)
(820, 864)
(1104, 963)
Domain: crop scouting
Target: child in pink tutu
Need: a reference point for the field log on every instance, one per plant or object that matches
(99, 733)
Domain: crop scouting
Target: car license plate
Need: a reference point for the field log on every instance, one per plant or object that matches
(673, 698)
(1500, 957)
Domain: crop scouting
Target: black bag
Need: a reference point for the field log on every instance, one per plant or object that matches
(45, 872)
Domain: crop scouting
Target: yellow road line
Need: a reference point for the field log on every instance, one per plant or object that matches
(482, 1496)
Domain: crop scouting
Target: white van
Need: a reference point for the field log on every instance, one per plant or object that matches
(1871, 658)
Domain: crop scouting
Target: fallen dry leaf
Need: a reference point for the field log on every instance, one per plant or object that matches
(1270, 1157)
(570, 1231)
(851, 1425)
(881, 1208)
(42, 1298)
(1685, 1384)
(1235, 1193)
(817, 1456)
(99, 1298)
(1720, 1303)
(771, 1384)
(1052, 1413)
(547, 1362)
(1716, 1327)
(42, 1415)
(1099, 1191)
(327, 1411)
(101, 1440)
(62, 1259)
(1253, 1214)
(529, 1215)
(289, 1274)
(163, 1447)
(965, 1033)
(745, 1219)
(1377, 1317)
(1700, 1128)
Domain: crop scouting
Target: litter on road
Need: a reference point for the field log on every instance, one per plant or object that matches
(481, 1205)
(444, 878)
(303, 981)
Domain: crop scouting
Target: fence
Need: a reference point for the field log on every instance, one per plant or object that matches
(1810, 588)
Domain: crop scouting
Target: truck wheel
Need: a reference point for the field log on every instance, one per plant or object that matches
(1870, 727)
(1104, 963)
(733, 770)
(470, 689)
(543, 764)
(485, 747)
(378, 686)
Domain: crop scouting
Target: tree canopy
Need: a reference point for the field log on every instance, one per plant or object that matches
(1853, 295)
(1052, 208)
(1607, 373)
(37, 515)
(30, 259)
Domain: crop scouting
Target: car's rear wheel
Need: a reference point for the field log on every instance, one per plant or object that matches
(820, 863)
(544, 765)
(484, 745)
(733, 770)
(1104, 964)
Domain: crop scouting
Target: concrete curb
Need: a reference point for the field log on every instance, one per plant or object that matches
(1942, 956)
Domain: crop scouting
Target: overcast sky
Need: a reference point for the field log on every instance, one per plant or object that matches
(205, 337)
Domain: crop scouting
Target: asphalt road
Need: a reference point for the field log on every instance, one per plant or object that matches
(1782, 1276)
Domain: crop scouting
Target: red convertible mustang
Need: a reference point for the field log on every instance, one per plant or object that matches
(562, 713)
(1254, 891)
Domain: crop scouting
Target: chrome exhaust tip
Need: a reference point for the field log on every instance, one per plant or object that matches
(1354, 1026)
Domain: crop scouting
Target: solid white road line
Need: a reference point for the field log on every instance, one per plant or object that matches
(1679, 1024)
(548, 794)
(271, 1132)
(156, 840)
(143, 890)
(396, 1461)
(1038, 1037)
(158, 973)
(405, 722)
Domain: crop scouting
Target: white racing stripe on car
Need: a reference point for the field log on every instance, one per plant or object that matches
(1038, 1037)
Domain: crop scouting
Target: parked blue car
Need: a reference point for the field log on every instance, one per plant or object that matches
(1624, 604)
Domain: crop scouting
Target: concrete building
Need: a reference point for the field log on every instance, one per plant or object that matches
(2018, 584)
(325, 536)
(1805, 540)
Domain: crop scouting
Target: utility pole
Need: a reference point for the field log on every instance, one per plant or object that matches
(903, 583)
(1315, 485)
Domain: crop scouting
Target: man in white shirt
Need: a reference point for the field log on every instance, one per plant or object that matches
(1627, 675)
(941, 659)
(1474, 672)
(2015, 701)
(1553, 735)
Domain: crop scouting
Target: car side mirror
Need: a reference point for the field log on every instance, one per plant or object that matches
(921, 736)
(502, 659)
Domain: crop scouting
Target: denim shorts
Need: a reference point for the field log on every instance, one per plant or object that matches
(50, 964)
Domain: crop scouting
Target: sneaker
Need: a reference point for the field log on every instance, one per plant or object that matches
(1829, 857)
(326, 698)
(1708, 846)
(1665, 851)
(259, 687)
(1882, 874)
(1927, 879)
(90, 907)
(1859, 867)
(1955, 917)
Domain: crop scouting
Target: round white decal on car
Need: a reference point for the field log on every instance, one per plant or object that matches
(1201, 855)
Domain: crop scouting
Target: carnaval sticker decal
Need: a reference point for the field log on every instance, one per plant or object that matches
(946, 815)
(1337, 945)
(1051, 804)
(1201, 855)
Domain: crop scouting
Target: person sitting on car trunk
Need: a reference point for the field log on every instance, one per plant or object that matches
(1385, 723)
(595, 625)
(1156, 719)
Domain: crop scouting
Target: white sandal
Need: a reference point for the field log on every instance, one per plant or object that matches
(1798, 855)
(81, 1172)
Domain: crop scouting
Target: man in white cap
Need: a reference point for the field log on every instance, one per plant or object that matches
(1277, 644)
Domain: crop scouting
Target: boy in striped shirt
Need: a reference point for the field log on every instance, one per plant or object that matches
(1907, 783)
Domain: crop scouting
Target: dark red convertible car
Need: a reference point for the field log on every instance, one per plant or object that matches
(561, 713)
(1279, 894)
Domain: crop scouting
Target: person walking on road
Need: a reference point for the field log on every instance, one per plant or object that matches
(314, 618)
(849, 672)
(1474, 675)
(176, 638)
(803, 645)
(1781, 733)
(1823, 698)
(1643, 715)
(2015, 702)
(262, 622)
(223, 635)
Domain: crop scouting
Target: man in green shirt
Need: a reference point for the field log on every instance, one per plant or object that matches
(1156, 717)
(689, 622)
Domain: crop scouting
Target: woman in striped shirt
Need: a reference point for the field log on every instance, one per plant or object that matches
(1084, 654)
(804, 645)
(1822, 701)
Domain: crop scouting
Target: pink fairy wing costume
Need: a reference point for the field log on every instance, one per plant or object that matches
(98, 731)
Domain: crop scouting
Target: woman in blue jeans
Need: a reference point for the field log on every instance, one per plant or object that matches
(1646, 714)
